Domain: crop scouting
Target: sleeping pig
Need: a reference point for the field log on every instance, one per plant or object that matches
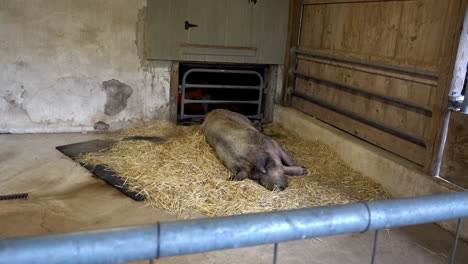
(246, 152)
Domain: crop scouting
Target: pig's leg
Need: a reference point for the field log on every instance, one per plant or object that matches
(241, 175)
(283, 155)
(294, 170)
(233, 164)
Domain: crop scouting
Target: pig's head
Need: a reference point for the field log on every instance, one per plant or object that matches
(270, 173)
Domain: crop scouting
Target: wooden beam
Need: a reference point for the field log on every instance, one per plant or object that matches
(174, 91)
(292, 39)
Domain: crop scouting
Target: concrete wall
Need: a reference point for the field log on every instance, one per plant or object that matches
(55, 56)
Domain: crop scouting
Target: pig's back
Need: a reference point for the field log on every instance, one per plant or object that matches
(230, 135)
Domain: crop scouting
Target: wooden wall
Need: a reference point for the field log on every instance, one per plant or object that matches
(416, 34)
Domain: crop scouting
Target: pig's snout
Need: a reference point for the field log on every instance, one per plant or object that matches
(271, 173)
(276, 182)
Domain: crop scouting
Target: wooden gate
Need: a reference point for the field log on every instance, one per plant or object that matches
(377, 69)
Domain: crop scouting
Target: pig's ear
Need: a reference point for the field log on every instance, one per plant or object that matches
(262, 163)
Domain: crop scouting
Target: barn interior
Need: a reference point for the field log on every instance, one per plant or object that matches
(379, 83)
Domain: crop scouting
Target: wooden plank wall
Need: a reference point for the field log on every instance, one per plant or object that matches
(417, 34)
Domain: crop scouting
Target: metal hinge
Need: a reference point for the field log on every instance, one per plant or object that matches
(455, 101)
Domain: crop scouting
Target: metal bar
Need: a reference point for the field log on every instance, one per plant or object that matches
(202, 235)
(223, 71)
(374, 249)
(100, 246)
(373, 123)
(215, 86)
(419, 108)
(275, 253)
(260, 95)
(443, 139)
(184, 101)
(455, 242)
(299, 36)
(424, 73)
(190, 101)
(248, 116)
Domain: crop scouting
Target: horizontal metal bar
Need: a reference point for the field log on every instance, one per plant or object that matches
(99, 246)
(396, 68)
(215, 86)
(190, 101)
(420, 108)
(328, 2)
(223, 71)
(202, 235)
(202, 116)
(373, 123)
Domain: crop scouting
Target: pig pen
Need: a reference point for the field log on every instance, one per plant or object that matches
(183, 175)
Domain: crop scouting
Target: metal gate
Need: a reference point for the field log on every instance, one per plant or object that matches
(168, 239)
(183, 115)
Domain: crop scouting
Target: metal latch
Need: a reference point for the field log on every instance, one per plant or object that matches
(188, 25)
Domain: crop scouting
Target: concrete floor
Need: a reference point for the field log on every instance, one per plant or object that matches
(65, 197)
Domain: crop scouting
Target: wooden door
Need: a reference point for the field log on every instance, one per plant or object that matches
(227, 30)
(415, 35)
(220, 23)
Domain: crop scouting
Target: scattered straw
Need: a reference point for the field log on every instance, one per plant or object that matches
(184, 176)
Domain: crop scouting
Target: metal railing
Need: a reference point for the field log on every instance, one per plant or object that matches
(186, 85)
(187, 237)
(363, 119)
(383, 66)
(385, 98)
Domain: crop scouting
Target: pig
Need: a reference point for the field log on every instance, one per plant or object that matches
(246, 152)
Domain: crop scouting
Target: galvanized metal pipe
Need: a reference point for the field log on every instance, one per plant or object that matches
(443, 139)
(202, 116)
(418, 108)
(216, 86)
(191, 101)
(187, 237)
(358, 117)
(101, 246)
(424, 73)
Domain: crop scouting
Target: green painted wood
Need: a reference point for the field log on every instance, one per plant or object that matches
(223, 25)
(270, 27)
(210, 16)
(165, 29)
(239, 20)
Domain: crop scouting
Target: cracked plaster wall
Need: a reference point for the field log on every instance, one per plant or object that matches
(55, 56)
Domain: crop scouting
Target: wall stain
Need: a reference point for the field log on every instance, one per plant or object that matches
(117, 94)
(153, 85)
(20, 64)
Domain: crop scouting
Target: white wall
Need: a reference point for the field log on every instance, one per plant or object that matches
(55, 55)
(459, 71)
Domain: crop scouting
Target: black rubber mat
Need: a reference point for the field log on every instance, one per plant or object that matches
(102, 171)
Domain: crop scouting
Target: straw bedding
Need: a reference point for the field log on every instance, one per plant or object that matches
(184, 176)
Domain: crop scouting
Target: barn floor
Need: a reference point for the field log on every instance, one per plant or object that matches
(65, 197)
